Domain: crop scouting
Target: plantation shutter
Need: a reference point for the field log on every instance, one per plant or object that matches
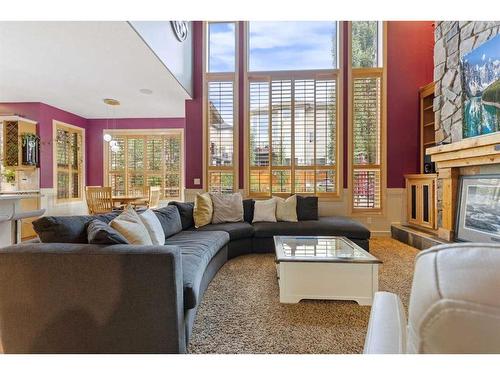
(221, 136)
(142, 160)
(302, 131)
(259, 138)
(366, 140)
(69, 162)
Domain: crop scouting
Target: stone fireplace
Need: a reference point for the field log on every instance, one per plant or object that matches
(457, 156)
(478, 155)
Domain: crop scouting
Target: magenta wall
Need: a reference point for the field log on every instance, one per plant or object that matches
(94, 140)
(410, 65)
(194, 114)
(44, 114)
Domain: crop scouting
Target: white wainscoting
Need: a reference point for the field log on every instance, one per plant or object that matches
(379, 224)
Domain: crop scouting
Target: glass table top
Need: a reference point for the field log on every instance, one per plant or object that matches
(320, 249)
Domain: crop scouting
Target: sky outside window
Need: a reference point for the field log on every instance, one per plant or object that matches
(221, 47)
(292, 45)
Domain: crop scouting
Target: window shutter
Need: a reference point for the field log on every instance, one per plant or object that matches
(146, 160)
(303, 132)
(220, 123)
(259, 138)
(221, 136)
(366, 138)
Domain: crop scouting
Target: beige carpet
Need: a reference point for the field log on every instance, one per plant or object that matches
(241, 313)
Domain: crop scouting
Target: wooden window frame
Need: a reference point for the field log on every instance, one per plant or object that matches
(381, 72)
(337, 75)
(56, 125)
(145, 133)
(219, 77)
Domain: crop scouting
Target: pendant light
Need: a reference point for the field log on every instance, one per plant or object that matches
(107, 137)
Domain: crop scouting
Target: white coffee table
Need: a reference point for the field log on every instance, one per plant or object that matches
(319, 267)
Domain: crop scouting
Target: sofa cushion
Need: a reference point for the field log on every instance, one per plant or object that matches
(248, 207)
(67, 229)
(307, 208)
(237, 231)
(170, 220)
(100, 233)
(197, 249)
(325, 226)
(186, 213)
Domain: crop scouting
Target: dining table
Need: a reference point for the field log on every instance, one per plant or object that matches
(127, 199)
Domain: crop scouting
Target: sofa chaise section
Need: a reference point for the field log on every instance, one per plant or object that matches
(81, 298)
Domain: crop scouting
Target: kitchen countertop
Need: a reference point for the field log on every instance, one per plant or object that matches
(20, 192)
(11, 197)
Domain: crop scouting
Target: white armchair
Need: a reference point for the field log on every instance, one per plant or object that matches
(454, 305)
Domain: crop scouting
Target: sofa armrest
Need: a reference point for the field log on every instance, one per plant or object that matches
(387, 327)
(81, 298)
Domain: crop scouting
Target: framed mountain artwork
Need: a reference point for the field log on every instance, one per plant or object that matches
(481, 81)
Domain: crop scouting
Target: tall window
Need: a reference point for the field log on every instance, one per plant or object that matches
(69, 162)
(293, 117)
(366, 115)
(134, 161)
(220, 111)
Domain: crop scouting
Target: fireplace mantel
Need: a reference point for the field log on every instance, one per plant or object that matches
(477, 151)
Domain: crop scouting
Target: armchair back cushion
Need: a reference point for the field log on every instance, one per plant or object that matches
(454, 303)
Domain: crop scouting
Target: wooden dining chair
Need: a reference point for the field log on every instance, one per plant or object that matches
(154, 196)
(99, 199)
(152, 200)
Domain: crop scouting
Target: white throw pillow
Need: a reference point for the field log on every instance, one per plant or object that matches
(228, 208)
(130, 226)
(153, 227)
(265, 211)
(286, 209)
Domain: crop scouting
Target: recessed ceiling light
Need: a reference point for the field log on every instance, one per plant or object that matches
(146, 91)
(110, 101)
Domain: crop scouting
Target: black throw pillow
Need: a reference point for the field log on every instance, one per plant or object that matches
(186, 212)
(100, 233)
(307, 208)
(248, 208)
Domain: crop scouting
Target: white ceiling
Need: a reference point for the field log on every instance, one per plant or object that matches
(74, 65)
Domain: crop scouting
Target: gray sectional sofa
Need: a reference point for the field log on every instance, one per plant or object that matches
(63, 295)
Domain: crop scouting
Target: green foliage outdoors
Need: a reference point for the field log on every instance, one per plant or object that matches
(492, 93)
(364, 44)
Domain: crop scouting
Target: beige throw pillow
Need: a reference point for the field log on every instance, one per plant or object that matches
(228, 208)
(130, 226)
(153, 226)
(265, 211)
(203, 210)
(286, 209)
